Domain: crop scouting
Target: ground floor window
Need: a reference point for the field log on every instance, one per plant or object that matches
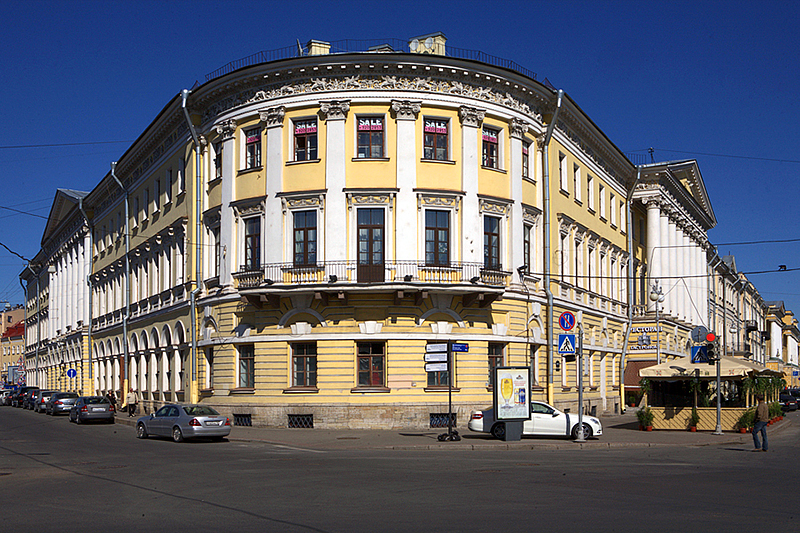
(304, 364)
(495, 359)
(247, 364)
(371, 364)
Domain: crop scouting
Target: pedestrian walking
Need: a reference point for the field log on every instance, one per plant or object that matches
(760, 426)
(113, 399)
(131, 400)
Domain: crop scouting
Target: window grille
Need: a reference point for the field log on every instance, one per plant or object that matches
(301, 421)
(439, 420)
(242, 419)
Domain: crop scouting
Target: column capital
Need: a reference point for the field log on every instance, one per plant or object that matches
(226, 129)
(518, 128)
(406, 109)
(273, 116)
(471, 116)
(335, 109)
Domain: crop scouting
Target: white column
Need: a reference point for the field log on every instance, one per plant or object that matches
(684, 263)
(273, 251)
(227, 228)
(517, 257)
(672, 250)
(471, 223)
(406, 113)
(335, 113)
(666, 254)
(653, 247)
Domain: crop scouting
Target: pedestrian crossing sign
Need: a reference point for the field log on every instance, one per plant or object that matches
(566, 343)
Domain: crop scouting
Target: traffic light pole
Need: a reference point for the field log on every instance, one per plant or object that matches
(718, 430)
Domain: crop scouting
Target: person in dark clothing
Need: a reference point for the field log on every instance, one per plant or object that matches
(760, 425)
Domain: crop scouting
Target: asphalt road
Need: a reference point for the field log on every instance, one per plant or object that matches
(58, 476)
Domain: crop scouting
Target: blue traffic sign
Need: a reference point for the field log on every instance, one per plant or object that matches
(71, 373)
(458, 347)
(699, 354)
(566, 343)
(566, 321)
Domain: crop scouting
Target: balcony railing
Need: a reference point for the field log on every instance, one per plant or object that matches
(338, 272)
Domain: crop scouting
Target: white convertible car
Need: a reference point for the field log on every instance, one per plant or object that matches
(545, 420)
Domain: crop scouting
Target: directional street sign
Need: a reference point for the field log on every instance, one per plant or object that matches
(566, 343)
(566, 321)
(435, 367)
(437, 357)
(440, 347)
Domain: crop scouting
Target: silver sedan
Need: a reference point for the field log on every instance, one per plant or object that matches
(184, 422)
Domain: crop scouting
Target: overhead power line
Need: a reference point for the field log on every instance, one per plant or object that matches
(13, 146)
(733, 156)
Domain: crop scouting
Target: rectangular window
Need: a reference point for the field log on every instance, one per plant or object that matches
(436, 139)
(495, 359)
(168, 187)
(491, 243)
(305, 140)
(526, 146)
(135, 211)
(146, 204)
(437, 237)
(217, 160)
(304, 364)
(157, 195)
(215, 236)
(612, 202)
(370, 138)
(210, 367)
(247, 366)
(576, 181)
(622, 216)
(490, 150)
(562, 172)
(526, 247)
(602, 194)
(252, 243)
(590, 192)
(182, 177)
(371, 364)
(305, 238)
(252, 148)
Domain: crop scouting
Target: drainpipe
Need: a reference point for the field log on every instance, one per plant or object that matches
(546, 185)
(89, 283)
(198, 272)
(126, 355)
(38, 323)
(631, 282)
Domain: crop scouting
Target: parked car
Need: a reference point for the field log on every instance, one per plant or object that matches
(545, 420)
(184, 422)
(788, 401)
(40, 400)
(30, 396)
(795, 393)
(5, 397)
(18, 398)
(91, 408)
(61, 402)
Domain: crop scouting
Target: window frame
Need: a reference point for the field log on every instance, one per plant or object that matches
(370, 131)
(370, 356)
(246, 366)
(307, 352)
(431, 131)
(526, 161)
(436, 242)
(489, 160)
(492, 252)
(252, 148)
(307, 136)
(306, 231)
(494, 360)
(251, 243)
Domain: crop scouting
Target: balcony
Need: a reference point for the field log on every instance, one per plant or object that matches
(477, 283)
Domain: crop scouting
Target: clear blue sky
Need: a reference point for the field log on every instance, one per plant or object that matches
(714, 81)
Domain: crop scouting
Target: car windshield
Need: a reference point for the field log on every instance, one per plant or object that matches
(67, 395)
(196, 410)
(92, 400)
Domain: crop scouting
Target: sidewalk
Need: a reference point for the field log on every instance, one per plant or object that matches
(619, 431)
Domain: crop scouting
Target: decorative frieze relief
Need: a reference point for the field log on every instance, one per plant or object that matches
(518, 128)
(226, 129)
(368, 199)
(273, 116)
(494, 208)
(301, 202)
(471, 116)
(426, 200)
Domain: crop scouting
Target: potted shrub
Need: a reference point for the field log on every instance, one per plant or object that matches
(645, 417)
(746, 420)
(694, 419)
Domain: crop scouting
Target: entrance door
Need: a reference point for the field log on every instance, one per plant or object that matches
(370, 245)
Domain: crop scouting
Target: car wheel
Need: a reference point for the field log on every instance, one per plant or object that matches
(587, 431)
(78, 419)
(177, 436)
(141, 431)
(499, 430)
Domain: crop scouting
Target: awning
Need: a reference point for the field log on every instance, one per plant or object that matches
(730, 367)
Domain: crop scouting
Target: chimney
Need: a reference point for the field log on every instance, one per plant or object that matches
(318, 48)
(432, 43)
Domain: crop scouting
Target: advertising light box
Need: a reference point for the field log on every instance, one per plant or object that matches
(512, 393)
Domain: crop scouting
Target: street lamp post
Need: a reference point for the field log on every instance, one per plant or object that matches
(657, 297)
